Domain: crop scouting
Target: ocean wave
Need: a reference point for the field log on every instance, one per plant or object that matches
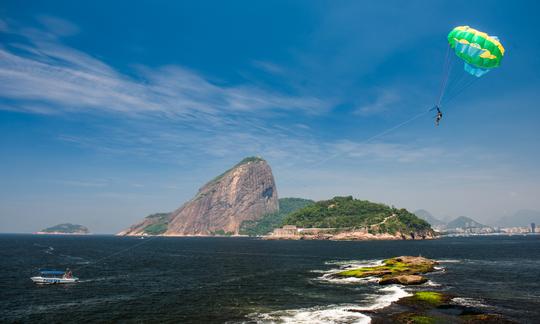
(346, 280)
(319, 314)
(470, 302)
(431, 283)
(344, 313)
(328, 275)
(449, 261)
(317, 271)
(355, 263)
(389, 295)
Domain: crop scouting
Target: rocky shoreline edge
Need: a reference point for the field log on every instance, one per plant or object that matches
(421, 306)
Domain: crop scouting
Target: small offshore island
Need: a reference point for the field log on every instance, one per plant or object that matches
(346, 218)
(65, 229)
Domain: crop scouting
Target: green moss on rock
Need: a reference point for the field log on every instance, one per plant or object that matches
(404, 270)
(430, 297)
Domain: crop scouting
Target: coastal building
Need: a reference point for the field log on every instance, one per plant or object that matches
(516, 230)
(287, 230)
(533, 228)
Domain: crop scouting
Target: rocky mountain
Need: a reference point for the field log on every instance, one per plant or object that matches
(522, 217)
(246, 192)
(428, 217)
(66, 228)
(464, 222)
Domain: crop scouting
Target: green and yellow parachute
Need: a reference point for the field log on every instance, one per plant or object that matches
(480, 51)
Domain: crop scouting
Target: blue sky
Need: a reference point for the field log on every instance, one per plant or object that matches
(111, 111)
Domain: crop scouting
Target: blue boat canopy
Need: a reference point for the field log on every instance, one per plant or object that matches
(51, 272)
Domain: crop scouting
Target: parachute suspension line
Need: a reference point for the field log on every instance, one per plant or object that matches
(116, 253)
(456, 83)
(464, 87)
(389, 130)
(445, 75)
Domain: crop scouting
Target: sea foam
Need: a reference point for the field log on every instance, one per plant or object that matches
(343, 313)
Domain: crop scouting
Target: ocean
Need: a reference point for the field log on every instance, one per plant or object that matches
(245, 280)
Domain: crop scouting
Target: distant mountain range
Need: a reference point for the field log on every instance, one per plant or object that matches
(428, 217)
(522, 217)
(464, 222)
(459, 222)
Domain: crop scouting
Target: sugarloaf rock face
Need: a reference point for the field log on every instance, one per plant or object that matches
(245, 192)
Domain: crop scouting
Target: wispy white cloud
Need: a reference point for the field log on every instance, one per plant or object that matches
(43, 75)
(383, 102)
(269, 67)
(58, 26)
(98, 183)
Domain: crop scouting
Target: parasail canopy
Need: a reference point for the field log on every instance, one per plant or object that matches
(480, 51)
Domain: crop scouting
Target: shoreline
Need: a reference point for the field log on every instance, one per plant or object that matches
(59, 233)
(404, 302)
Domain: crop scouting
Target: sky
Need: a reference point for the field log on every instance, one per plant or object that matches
(110, 111)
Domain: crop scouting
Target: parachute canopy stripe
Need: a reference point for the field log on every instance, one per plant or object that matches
(466, 42)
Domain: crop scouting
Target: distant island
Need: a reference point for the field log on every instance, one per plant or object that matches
(66, 228)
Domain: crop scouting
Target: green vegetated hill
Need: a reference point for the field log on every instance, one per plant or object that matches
(158, 223)
(347, 212)
(270, 221)
(67, 228)
(464, 222)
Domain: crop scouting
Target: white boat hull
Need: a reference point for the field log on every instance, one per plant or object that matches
(51, 281)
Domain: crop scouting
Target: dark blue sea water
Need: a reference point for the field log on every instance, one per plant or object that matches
(206, 280)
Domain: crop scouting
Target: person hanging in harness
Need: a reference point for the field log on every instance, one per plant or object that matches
(439, 116)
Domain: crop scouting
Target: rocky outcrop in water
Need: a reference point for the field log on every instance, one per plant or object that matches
(405, 270)
(245, 192)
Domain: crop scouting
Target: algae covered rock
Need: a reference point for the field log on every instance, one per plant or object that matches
(403, 280)
(436, 307)
(405, 270)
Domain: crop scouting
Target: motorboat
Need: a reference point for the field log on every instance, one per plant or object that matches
(49, 277)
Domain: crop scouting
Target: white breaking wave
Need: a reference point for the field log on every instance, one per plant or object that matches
(431, 283)
(346, 280)
(344, 313)
(449, 261)
(389, 295)
(328, 275)
(320, 315)
(471, 302)
(355, 263)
